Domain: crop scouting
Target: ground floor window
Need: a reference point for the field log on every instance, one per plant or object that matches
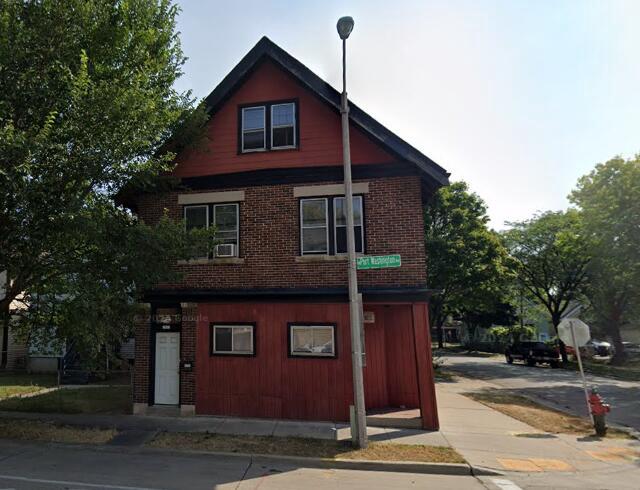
(312, 340)
(236, 339)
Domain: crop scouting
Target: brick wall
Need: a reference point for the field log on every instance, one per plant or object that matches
(141, 367)
(270, 239)
(188, 353)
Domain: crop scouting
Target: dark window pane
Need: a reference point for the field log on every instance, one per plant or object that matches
(253, 118)
(196, 217)
(253, 140)
(282, 137)
(314, 240)
(341, 239)
(226, 217)
(223, 339)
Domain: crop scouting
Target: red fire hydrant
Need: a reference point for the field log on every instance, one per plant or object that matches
(599, 409)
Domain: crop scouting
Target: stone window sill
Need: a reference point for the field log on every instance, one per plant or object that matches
(303, 259)
(218, 261)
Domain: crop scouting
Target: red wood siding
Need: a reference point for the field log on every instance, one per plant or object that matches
(401, 375)
(320, 136)
(273, 385)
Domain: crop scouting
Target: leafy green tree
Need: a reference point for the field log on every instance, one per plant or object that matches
(87, 106)
(551, 257)
(466, 260)
(609, 201)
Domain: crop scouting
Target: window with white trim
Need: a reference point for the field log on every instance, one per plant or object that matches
(254, 128)
(314, 226)
(323, 225)
(283, 125)
(340, 224)
(312, 340)
(225, 219)
(197, 217)
(233, 339)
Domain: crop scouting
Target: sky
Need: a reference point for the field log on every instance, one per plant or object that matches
(517, 98)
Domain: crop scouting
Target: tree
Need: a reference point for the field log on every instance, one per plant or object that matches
(609, 201)
(465, 260)
(550, 254)
(87, 106)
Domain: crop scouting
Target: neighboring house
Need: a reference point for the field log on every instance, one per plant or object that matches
(260, 326)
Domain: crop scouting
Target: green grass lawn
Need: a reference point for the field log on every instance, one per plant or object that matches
(103, 399)
(20, 384)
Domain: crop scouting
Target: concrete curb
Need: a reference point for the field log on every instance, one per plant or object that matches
(456, 469)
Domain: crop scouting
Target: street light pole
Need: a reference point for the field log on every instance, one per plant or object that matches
(359, 437)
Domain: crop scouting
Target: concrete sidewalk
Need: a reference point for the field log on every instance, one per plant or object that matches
(490, 439)
(483, 436)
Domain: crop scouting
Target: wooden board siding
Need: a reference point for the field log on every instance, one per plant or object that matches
(273, 385)
(401, 374)
(320, 136)
(424, 365)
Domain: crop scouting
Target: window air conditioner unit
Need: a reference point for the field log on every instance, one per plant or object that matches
(226, 250)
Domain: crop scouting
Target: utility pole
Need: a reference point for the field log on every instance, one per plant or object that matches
(359, 435)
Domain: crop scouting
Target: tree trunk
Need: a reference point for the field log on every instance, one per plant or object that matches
(555, 319)
(620, 356)
(440, 335)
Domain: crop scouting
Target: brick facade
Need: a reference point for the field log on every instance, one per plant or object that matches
(188, 353)
(141, 367)
(270, 240)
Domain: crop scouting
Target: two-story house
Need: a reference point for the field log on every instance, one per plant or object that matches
(259, 326)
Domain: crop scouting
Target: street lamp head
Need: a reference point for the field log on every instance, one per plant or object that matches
(345, 26)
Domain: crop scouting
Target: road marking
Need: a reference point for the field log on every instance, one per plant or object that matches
(505, 484)
(73, 483)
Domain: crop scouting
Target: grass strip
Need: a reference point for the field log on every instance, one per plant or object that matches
(536, 415)
(22, 384)
(36, 430)
(304, 447)
(107, 399)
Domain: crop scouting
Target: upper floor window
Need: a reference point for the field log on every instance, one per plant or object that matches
(226, 219)
(323, 225)
(269, 126)
(283, 125)
(254, 126)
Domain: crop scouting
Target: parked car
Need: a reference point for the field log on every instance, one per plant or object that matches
(631, 348)
(532, 353)
(593, 348)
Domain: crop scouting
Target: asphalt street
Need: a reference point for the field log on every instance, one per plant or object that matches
(35, 466)
(560, 387)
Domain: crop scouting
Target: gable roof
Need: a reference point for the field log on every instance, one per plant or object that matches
(265, 48)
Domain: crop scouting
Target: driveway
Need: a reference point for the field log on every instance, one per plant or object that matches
(559, 387)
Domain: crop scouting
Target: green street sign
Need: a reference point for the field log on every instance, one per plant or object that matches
(378, 262)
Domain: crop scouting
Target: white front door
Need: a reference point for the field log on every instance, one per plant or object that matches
(167, 368)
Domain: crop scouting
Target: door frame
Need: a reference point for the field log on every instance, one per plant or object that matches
(162, 328)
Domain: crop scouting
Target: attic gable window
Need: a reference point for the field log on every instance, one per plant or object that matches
(268, 126)
(283, 125)
(253, 128)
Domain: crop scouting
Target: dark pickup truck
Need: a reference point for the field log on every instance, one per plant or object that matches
(532, 353)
